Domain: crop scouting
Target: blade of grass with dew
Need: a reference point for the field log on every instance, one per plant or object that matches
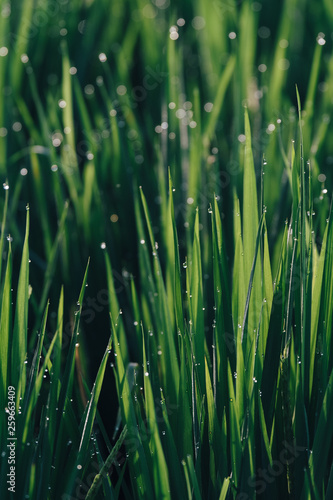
(187, 480)
(67, 382)
(137, 460)
(245, 381)
(167, 340)
(64, 409)
(19, 340)
(192, 378)
(193, 477)
(5, 334)
(238, 303)
(234, 429)
(131, 371)
(196, 298)
(149, 288)
(27, 419)
(114, 309)
(44, 466)
(305, 333)
(171, 450)
(265, 444)
(214, 434)
(225, 277)
(266, 307)
(254, 267)
(56, 374)
(174, 258)
(137, 318)
(273, 348)
(3, 227)
(184, 436)
(322, 438)
(223, 337)
(98, 479)
(202, 427)
(326, 320)
(36, 378)
(160, 470)
(87, 422)
(35, 364)
(300, 428)
(238, 289)
(250, 227)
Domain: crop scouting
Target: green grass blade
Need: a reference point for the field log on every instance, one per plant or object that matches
(250, 230)
(138, 463)
(160, 469)
(68, 377)
(5, 334)
(106, 466)
(225, 489)
(87, 422)
(322, 438)
(196, 298)
(193, 477)
(20, 333)
(3, 227)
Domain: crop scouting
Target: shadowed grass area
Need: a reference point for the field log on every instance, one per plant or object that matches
(184, 152)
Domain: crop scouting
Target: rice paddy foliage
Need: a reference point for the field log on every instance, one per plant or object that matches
(176, 158)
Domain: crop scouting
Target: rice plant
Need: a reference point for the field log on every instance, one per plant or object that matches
(184, 153)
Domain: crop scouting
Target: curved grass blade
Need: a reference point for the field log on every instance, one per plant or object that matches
(106, 466)
(20, 333)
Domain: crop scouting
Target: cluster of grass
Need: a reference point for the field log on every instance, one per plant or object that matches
(170, 145)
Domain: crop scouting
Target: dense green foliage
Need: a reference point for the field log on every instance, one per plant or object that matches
(184, 151)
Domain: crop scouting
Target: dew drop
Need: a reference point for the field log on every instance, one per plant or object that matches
(102, 57)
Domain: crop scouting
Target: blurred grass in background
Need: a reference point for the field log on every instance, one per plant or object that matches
(100, 98)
